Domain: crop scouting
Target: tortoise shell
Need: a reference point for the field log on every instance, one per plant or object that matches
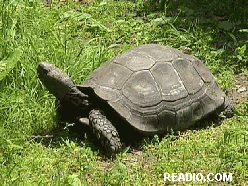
(156, 88)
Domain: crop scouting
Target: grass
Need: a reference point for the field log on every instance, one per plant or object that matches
(36, 150)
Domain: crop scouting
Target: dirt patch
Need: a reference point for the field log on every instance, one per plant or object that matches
(48, 2)
(241, 83)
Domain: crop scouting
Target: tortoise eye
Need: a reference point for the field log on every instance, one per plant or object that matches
(45, 71)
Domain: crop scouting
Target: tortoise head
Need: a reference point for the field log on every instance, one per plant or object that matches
(56, 81)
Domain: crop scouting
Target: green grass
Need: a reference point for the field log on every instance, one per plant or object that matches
(36, 150)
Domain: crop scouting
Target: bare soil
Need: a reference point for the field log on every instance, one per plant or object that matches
(241, 84)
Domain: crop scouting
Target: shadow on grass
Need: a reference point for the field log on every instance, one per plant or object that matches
(224, 19)
(206, 11)
(83, 136)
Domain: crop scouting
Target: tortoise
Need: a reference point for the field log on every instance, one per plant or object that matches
(150, 89)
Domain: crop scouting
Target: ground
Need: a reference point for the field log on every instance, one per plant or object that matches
(241, 83)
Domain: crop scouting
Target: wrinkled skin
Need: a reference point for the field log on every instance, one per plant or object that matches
(61, 85)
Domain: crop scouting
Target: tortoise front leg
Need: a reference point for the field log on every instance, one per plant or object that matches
(229, 107)
(105, 132)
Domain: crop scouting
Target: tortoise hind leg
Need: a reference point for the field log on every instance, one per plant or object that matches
(105, 132)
